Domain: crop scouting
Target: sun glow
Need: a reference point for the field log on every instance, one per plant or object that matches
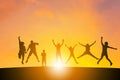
(59, 66)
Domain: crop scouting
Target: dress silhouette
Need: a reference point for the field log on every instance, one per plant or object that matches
(32, 47)
(71, 49)
(87, 52)
(104, 51)
(58, 51)
(43, 54)
(22, 50)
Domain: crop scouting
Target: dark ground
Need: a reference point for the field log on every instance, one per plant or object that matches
(66, 73)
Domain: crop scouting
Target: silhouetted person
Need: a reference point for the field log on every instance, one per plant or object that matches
(87, 46)
(22, 50)
(71, 49)
(104, 51)
(32, 47)
(43, 54)
(58, 51)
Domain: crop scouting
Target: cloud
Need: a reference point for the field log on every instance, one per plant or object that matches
(44, 13)
(9, 7)
(110, 12)
(44, 10)
(56, 7)
(29, 1)
(51, 8)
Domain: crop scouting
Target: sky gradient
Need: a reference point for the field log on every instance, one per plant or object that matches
(72, 20)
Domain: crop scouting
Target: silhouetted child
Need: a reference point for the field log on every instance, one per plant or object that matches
(58, 51)
(104, 51)
(43, 54)
(71, 49)
(22, 50)
(87, 52)
(32, 47)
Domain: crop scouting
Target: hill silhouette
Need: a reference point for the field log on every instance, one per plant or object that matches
(65, 73)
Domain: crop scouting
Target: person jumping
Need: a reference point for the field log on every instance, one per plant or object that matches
(22, 50)
(87, 52)
(32, 47)
(104, 51)
(71, 49)
(58, 51)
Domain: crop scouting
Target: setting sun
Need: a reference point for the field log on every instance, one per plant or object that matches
(59, 66)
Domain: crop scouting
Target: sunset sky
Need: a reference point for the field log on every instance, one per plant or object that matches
(72, 20)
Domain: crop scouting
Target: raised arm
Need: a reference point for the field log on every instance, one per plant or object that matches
(112, 48)
(53, 42)
(102, 40)
(19, 42)
(66, 46)
(28, 48)
(37, 43)
(74, 45)
(81, 44)
(19, 39)
(62, 42)
(93, 43)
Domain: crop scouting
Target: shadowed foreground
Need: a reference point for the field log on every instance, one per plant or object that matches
(53, 73)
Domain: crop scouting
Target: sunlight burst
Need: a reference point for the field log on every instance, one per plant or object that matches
(58, 66)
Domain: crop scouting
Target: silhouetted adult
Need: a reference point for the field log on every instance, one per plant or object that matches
(32, 47)
(87, 52)
(104, 51)
(71, 49)
(58, 51)
(22, 50)
(43, 54)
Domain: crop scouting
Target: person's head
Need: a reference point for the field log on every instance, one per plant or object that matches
(106, 43)
(70, 47)
(58, 44)
(44, 51)
(31, 41)
(87, 44)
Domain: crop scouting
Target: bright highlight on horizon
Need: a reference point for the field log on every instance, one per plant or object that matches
(59, 66)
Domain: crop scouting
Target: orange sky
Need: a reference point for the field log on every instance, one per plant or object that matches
(73, 20)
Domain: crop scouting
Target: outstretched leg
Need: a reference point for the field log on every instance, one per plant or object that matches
(23, 58)
(45, 61)
(42, 62)
(68, 59)
(75, 59)
(100, 59)
(108, 60)
(29, 56)
(61, 58)
(56, 58)
(82, 55)
(19, 55)
(93, 55)
(36, 56)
